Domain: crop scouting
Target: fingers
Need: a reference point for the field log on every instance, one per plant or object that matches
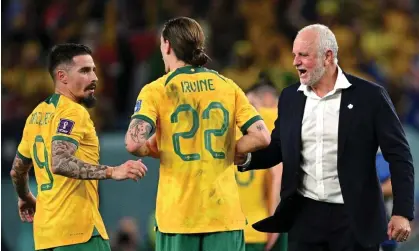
(137, 170)
(390, 230)
(400, 233)
(22, 217)
(397, 234)
(135, 174)
(26, 215)
(239, 158)
(403, 234)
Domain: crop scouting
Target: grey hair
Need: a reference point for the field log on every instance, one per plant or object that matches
(326, 39)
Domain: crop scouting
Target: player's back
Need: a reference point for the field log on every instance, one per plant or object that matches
(198, 111)
(66, 209)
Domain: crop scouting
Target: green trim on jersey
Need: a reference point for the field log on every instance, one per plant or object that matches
(148, 120)
(25, 159)
(249, 123)
(65, 138)
(53, 99)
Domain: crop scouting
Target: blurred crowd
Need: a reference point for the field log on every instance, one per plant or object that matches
(378, 40)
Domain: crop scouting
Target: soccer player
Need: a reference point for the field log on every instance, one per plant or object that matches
(259, 189)
(60, 141)
(195, 112)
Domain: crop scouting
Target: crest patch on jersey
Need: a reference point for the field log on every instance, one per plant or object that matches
(137, 106)
(65, 126)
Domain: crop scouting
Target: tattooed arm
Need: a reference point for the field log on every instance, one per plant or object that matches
(257, 137)
(66, 164)
(139, 131)
(20, 176)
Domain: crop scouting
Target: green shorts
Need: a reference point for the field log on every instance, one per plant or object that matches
(226, 241)
(255, 246)
(282, 243)
(95, 243)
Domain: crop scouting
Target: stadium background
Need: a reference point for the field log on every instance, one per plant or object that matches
(378, 40)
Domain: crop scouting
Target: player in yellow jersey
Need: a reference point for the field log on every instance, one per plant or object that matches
(259, 190)
(195, 112)
(265, 98)
(60, 141)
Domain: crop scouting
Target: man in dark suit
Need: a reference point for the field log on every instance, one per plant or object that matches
(327, 133)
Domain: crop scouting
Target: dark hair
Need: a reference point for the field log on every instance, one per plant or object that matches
(187, 40)
(64, 53)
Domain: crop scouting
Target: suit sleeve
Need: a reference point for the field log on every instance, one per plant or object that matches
(146, 106)
(396, 152)
(272, 155)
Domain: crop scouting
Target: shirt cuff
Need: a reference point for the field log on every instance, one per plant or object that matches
(245, 165)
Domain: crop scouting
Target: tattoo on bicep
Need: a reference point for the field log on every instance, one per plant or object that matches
(20, 177)
(139, 130)
(260, 127)
(66, 164)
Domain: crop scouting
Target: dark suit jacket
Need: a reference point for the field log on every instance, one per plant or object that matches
(371, 122)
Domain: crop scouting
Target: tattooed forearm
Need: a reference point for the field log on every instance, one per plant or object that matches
(20, 176)
(66, 164)
(139, 131)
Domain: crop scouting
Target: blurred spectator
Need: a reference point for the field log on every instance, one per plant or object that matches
(243, 71)
(126, 238)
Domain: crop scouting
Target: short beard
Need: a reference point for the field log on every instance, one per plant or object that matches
(89, 101)
(316, 75)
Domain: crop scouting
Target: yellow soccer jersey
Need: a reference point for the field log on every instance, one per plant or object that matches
(67, 210)
(254, 201)
(269, 115)
(196, 111)
(253, 189)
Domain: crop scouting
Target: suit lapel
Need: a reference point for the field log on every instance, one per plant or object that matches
(297, 118)
(347, 109)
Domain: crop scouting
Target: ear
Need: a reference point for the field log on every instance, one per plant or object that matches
(329, 58)
(62, 76)
(167, 47)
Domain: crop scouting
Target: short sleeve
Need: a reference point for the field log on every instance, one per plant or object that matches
(70, 125)
(146, 105)
(23, 150)
(246, 114)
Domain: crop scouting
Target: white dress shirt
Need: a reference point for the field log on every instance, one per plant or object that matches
(319, 135)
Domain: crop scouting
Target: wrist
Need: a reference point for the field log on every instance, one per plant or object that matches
(109, 172)
(26, 196)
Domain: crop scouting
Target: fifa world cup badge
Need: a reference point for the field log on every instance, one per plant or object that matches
(65, 126)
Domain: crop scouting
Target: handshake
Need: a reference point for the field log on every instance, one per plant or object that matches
(241, 158)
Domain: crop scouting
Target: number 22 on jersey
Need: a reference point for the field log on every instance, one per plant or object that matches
(217, 132)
